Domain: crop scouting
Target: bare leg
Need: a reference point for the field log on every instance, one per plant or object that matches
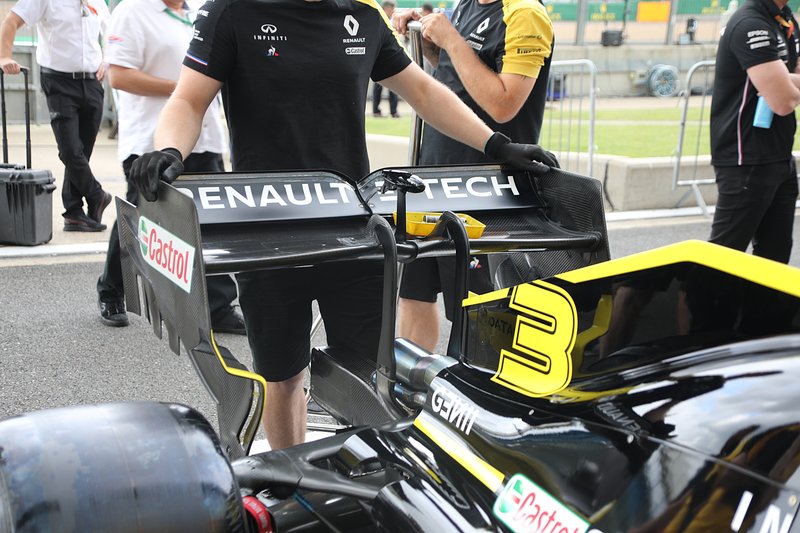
(418, 322)
(285, 415)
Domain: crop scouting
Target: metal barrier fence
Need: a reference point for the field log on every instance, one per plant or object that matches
(706, 68)
(569, 116)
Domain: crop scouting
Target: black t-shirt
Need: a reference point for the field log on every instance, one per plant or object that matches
(751, 37)
(509, 36)
(295, 77)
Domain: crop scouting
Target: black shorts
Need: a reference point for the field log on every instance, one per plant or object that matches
(424, 279)
(276, 305)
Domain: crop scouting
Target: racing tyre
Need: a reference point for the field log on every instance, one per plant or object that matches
(662, 81)
(118, 468)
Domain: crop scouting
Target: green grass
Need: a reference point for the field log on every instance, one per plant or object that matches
(400, 127)
(624, 132)
(631, 140)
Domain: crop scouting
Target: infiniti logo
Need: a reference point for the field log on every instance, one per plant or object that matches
(351, 25)
(269, 28)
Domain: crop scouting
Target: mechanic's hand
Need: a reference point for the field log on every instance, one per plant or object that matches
(150, 168)
(400, 20)
(438, 29)
(9, 66)
(527, 156)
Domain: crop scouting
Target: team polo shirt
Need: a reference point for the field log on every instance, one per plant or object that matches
(68, 30)
(509, 36)
(145, 36)
(751, 37)
(295, 77)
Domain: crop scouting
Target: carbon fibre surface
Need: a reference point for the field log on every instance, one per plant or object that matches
(161, 250)
(573, 215)
(576, 203)
(342, 384)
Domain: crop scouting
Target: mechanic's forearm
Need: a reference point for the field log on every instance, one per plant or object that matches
(485, 86)
(443, 110)
(178, 127)
(137, 82)
(783, 98)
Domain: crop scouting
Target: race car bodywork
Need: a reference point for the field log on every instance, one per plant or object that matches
(249, 221)
(655, 392)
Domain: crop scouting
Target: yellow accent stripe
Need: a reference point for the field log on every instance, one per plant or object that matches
(258, 378)
(483, 471)
(474, 299)
(758, 270)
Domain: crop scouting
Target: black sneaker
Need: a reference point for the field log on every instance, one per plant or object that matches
(113, 313)
(96, 210)
(233, 322)
(81, 222)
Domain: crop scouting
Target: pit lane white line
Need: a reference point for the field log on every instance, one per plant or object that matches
(7, 252)
(260, 446)
(615, 216)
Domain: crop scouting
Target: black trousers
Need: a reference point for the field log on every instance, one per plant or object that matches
(76, 110)
(221, 289)
(377, 90)
(756, 203)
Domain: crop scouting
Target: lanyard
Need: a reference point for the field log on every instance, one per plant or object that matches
(86, 9)
(786, 24)
(172, 14)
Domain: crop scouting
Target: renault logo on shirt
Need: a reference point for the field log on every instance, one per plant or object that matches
(476, 35)
(351, 25)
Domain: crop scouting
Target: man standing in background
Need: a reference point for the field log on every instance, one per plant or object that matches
(147, 41)
(425, 10)
(495, 55)
(72, 71)
(753, 162)
(377, 89)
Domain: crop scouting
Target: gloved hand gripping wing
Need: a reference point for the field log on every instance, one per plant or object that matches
(527, 156)
(150, 168)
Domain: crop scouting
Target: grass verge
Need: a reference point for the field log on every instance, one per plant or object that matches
(625, 132)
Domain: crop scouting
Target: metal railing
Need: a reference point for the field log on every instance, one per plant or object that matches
(569, 118)
(707, 69)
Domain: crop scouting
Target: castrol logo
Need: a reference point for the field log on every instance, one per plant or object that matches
(166, 253)
(523, 506)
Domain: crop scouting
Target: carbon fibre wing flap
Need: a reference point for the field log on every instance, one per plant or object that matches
(256, 220)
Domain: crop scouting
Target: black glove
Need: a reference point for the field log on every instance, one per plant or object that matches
(528, 156)
(150, 168)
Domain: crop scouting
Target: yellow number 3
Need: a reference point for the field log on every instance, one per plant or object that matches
(539, 362)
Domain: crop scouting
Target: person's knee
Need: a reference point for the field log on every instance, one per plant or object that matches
(416, 307)
(72, 157)
(289, 385)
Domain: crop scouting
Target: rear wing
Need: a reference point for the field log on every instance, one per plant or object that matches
(234, 222)
(297, 217)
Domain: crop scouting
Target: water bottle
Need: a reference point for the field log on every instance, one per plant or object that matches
(763, 116)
